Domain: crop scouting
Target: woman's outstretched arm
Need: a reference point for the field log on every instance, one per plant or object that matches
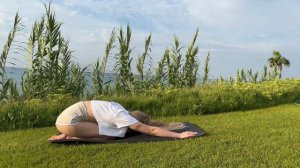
(157, 131)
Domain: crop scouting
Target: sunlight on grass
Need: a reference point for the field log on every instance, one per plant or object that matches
(259, 138)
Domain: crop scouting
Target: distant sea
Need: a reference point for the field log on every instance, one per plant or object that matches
(17, 73)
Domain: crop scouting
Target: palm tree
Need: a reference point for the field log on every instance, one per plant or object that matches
(278, 60)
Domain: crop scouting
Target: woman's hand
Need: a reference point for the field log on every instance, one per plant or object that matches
(187, 134)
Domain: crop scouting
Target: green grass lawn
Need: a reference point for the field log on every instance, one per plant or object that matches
(259, 138)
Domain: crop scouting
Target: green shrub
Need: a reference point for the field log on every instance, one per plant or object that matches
(207, 99)
(31, 114)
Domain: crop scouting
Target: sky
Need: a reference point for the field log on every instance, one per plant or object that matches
(238, 33)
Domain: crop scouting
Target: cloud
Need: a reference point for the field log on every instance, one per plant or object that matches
(2, 18)
(212, 14)
(229, 28)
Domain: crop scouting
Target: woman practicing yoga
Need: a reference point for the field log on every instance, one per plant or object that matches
(103, 119)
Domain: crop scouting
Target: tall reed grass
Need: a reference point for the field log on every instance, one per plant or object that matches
(99, 70)
(8, 89)
(50, 69)
(123, 62)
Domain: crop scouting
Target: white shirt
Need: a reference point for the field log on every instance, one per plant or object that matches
(112, 118)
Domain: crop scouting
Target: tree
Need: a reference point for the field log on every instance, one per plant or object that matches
(279, 61)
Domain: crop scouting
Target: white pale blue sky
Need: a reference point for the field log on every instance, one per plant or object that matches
(239, 33)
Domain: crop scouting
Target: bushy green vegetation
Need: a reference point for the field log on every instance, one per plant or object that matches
(207, 99)
(213, 98)
(261, 138)
(32, 113)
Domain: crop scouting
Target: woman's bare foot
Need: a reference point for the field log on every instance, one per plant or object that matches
(58, 137)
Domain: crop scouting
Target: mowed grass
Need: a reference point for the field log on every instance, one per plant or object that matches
(259, 138)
